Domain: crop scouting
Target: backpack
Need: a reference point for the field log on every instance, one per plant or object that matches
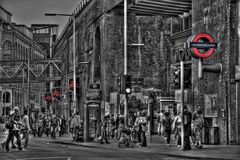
(9, 125)
(168, 123)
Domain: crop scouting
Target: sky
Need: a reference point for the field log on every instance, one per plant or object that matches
(32, 11)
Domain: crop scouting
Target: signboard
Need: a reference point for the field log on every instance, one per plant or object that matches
(93, 95)
(188, 96)
(56, 93)
(70, 85)
(48, 97)
(201, 45)
(94, 86)
(210, 108)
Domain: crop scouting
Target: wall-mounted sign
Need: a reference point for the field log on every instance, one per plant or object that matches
(201, 45)
(210, 108)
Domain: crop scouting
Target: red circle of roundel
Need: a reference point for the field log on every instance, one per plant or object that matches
(195, 50)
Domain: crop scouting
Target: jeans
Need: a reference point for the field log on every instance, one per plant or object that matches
(11, 134)
(168, 135)
(26, 136)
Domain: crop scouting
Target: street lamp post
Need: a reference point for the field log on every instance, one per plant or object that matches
(74, 53)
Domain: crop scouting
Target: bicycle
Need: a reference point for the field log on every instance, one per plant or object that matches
(77, 134)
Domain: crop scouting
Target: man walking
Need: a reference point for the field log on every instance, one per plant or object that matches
(15, 130)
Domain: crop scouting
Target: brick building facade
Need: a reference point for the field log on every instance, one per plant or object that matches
(99, 41)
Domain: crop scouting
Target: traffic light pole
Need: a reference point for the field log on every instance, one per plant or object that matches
(125, 60)
(182, 102)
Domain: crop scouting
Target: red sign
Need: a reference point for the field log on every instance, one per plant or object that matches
(201, 45)
(70, 85)
(56, 93)
(47, 97)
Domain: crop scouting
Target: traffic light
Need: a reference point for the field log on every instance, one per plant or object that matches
(187, 76)
(128, 89)
(176, 78)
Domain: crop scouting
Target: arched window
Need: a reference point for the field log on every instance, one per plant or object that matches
(6, 97)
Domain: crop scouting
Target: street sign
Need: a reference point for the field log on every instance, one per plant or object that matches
(93, 95)
(94, 86)
(201, 45)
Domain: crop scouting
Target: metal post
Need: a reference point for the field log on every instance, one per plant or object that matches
(149, 122)
(74, 65)
(200, 71)
(238, 83)
(28, 84)
(182, 102)
(23, 98)
(51, 69)
(125, 58)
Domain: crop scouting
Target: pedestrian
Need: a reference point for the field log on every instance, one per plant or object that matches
(14, 129)
(34, 127)
(53, 126)
(198, 123)
(167, 123)
(40, 126)
(6, 132)
(104, 130)
(26, 128)
(177, 126)
(187, 119)
(47, 120)
(70, 120)
(62, 125)
(141, 127)
(160, 123)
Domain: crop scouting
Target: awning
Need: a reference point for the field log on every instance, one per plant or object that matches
(160, 7)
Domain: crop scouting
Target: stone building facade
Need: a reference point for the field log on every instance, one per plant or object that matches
(16, 41)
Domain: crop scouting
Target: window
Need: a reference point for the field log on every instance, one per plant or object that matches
(6, 97)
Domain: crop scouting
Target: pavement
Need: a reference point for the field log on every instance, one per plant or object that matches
(158, 145)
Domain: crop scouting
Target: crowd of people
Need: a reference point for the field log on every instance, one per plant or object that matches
(169, 126)
(192, 124)
(19, 126)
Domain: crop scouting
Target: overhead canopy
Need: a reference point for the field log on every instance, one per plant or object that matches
(153, 7)
(160, 7)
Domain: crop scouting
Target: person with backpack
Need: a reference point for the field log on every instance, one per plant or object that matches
(167, 123)
(14, 129)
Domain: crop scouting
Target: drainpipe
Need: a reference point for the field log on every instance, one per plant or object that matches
(237, 83)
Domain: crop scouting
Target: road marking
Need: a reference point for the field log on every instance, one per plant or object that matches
(39, 158)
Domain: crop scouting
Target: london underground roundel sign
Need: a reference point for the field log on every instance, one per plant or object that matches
(201, 45)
